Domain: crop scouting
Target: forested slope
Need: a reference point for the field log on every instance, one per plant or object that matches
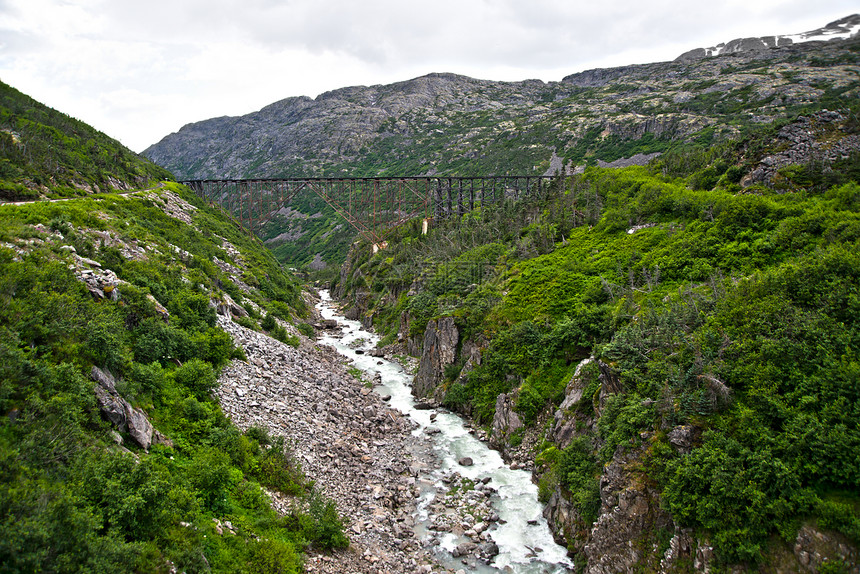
(675, 356)
(44, 152)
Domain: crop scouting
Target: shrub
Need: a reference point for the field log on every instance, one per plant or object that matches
(268, 323)
(191, 310)
(306, 329)
(197, 376)
(278, 470)
(213, 478)
(326, 529)
(578, 472)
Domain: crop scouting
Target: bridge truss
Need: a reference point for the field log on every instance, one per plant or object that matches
(372, 205)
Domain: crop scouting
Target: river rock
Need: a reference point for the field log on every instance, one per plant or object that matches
(464, 549)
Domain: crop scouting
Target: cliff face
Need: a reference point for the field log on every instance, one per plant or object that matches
(439, 351)
(445, 123)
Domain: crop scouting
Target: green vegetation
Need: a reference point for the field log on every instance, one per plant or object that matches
(45, 152)
(732, 311)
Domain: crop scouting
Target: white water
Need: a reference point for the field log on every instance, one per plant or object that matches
(523, 548)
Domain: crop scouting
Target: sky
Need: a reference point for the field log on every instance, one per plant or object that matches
(139, 70)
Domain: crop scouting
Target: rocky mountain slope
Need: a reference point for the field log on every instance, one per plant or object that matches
(448, 124)
(841, 29)
(443, 123)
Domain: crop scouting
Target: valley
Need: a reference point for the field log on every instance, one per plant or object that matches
(645, 360)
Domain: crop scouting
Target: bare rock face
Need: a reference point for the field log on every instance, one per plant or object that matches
(228, 307)
(682, 438)
(806, 140)
(812, 545)
(505, 422)
(564, 521)
(440, 350)
(139, 426)
(567, 417)
(629, 512)
(412, 343)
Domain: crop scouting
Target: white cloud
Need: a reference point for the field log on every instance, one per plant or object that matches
(140, 70)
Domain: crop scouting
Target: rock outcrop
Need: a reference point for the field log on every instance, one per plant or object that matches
(506, 422)
(840, 29)
(119, 411)
(817, 138)
(630, 516)
(439, 351)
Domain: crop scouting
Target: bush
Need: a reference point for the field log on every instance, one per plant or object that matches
(213, 478)
(268, 323)
(191, 311)
(155, 340)
(326, 528)
(273, 557)
(197, 376)
(578, 472)
(278, 470)
(105, 346)
(214, 346)
(306, 329)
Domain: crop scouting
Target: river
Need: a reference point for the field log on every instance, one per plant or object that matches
(524, 541)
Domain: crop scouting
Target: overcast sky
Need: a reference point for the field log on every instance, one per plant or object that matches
(141, 69)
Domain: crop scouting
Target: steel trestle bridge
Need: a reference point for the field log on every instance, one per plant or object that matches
(372, 205)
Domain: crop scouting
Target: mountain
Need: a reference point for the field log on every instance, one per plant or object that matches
(449, 124)
(455, 125)
(841, 29)
(46, 153)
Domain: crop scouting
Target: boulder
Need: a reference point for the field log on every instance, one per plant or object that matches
(681, 437)
(139, 426)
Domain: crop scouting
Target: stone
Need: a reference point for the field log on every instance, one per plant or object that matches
(463, 549)
(488, 550)
(139, 426)
(465, 461)
(119, 411)
(681, 437)
(111, 407)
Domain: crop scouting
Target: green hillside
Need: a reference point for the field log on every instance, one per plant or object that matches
(45, 153)
(723, 392)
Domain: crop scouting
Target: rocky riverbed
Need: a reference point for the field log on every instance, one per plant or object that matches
(371, 459)
(345, 438)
